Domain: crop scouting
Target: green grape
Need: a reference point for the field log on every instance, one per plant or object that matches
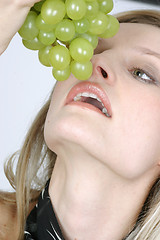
(112, 27)
(43, 55)
(34, 44)
(93, 39)
(65, 30)
(41, 25)
(105, 6)
(81, 25)
(59, 57)
(92, 9)
(68, 29)
(29, 31)
(81, 50)
(61, 75)
(67, 43)
(53, 12)
(47, 38)
(37, 6)
(98, 24)
(82, 71)
(76, 9)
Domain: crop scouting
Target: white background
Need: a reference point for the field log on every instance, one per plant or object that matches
(25, 85)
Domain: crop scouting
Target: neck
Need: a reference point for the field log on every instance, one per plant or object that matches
(91, 201)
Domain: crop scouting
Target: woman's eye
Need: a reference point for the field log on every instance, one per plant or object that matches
(144, 76)
(141, 75)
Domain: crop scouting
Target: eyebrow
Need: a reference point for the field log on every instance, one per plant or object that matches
(148, 52)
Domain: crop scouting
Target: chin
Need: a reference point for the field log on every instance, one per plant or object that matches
(67, 128)
(70, 129)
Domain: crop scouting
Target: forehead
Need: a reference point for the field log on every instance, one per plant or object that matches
(131, 35)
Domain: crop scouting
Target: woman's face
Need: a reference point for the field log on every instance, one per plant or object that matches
(128, 142)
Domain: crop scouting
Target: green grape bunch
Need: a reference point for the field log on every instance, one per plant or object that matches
(66, 32)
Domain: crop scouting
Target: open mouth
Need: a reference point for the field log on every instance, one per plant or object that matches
(92, 99)
(91, 94)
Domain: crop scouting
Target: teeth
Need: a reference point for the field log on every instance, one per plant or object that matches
(104, 110)
(92, 95)
(99, 100)
(85, 94)
(77, 98)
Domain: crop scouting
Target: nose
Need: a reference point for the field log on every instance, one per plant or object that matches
(102, 69)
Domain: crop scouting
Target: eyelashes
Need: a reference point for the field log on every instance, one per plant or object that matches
(143, 76)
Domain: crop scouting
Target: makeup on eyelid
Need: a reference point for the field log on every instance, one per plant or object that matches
(149, 66)
(147, 79)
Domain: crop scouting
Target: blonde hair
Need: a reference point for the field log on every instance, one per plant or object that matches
(148, 222)
(35, 157)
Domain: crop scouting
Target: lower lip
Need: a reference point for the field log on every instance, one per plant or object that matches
(85, 105)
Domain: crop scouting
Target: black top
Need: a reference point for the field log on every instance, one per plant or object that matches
(42, 223)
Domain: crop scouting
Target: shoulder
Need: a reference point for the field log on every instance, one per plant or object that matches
(8, 216)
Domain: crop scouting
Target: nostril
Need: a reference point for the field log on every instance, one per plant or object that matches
(104, 73)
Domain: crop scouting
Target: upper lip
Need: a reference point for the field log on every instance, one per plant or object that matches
(89, 87)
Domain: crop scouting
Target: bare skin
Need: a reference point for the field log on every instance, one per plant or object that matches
(8, 221)
(8, 218)
(92, 190)
(12, 16)
(106, 166)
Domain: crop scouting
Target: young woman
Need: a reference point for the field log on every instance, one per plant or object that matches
(94, 148)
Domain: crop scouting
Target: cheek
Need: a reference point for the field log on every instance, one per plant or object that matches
(129, 144)
(138, 139)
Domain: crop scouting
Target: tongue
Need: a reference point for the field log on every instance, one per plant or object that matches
(93, 102)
